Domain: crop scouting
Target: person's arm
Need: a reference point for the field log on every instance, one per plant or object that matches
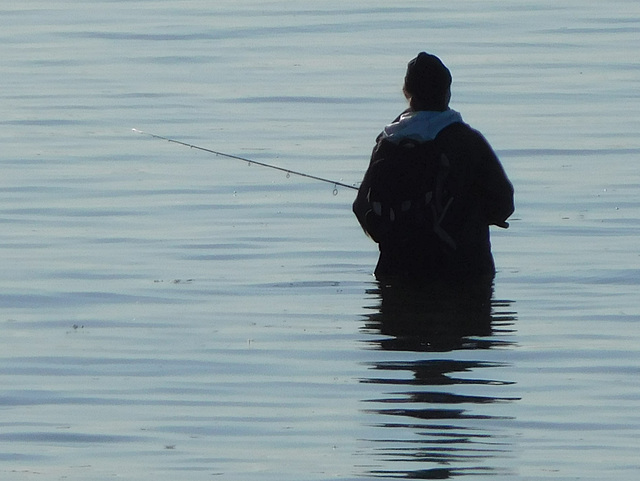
(361, 203)
(497, 190)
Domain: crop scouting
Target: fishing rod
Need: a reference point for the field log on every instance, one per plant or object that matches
(250, 161)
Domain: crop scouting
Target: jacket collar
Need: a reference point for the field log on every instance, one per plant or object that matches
(421, 126)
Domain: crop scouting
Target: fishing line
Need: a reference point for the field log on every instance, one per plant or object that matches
(250, 161)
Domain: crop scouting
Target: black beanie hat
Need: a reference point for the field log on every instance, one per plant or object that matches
(427, 79)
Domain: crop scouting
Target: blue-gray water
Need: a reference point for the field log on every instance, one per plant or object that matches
(167, 314)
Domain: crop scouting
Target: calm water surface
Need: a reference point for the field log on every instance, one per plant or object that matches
(168, 314)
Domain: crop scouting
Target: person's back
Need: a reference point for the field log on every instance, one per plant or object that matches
(476, 187)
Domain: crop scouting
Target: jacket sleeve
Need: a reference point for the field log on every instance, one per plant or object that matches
(496, 189)
(361, 203)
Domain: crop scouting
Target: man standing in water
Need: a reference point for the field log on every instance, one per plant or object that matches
(433, 187)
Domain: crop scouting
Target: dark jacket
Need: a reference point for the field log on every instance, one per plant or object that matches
(482, 195)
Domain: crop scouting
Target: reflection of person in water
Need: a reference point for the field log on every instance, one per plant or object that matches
(435, 316)
(436, 408)
(466, 192)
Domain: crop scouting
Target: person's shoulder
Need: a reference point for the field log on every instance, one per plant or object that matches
(463, 140)
(463, 132)
(461, 128)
